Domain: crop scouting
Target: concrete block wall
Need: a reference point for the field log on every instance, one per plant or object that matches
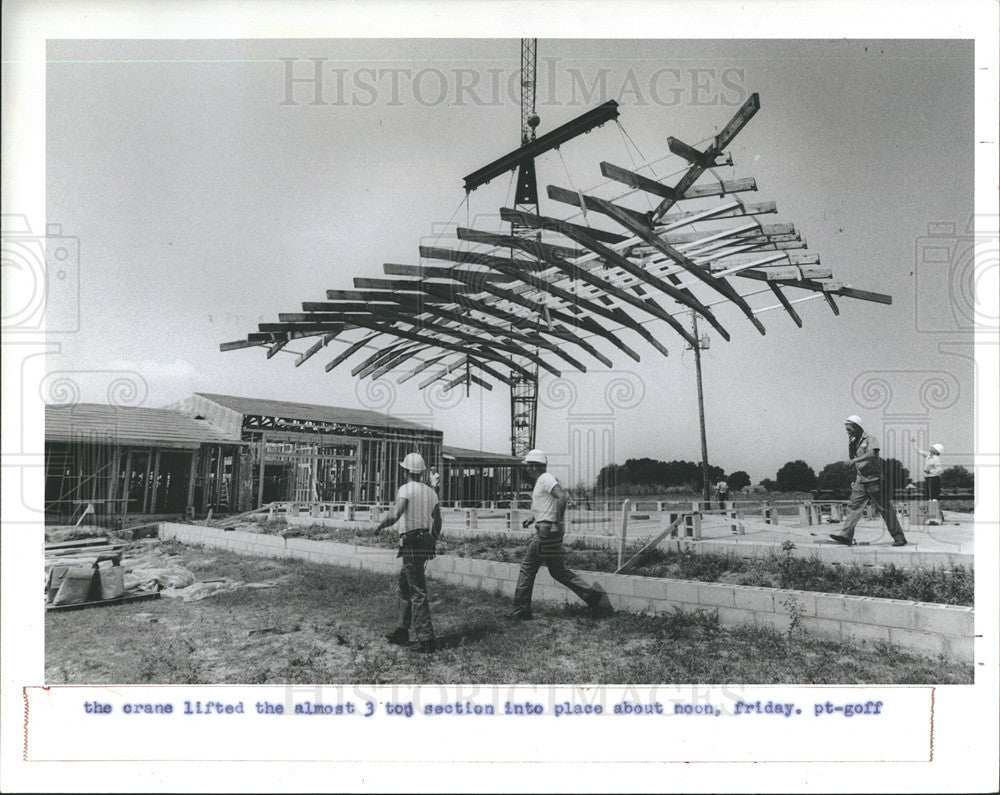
(930, 629)
(877, 556)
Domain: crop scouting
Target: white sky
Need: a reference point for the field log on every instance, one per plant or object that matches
(203, 206)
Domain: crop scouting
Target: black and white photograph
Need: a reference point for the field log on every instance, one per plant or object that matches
(405, 375)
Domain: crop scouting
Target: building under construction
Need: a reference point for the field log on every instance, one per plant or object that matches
(231, 454)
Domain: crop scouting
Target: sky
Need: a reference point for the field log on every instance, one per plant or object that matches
(208, 195)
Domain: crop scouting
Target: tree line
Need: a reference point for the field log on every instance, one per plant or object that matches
(638, 476)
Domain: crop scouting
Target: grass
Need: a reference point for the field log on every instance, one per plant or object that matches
(324, 624)
(780, 569)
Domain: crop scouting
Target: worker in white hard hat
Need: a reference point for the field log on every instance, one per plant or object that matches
(548, 504)
(867, 487)
(417, 505)
(932, 470)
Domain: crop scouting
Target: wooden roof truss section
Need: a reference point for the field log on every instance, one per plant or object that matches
(500, 307)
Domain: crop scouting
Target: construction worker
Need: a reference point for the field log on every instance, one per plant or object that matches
(417, 505)
(932, 472)
(932, 469)
(433, 478)
(722, 493)
(548, 504)
(867, 486)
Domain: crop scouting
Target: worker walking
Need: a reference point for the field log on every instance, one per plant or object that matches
(548, 504)
(867, 487)
(417, 505)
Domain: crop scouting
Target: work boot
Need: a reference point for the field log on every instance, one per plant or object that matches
(847, 542)
(600, 606)
(425, 646)
(399, 636)
(899, 542)
(521, 615)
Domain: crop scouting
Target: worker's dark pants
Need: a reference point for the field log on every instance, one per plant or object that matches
(411, 587)
(722, 501)
(546, 547)
(932, 487)
(861, 495)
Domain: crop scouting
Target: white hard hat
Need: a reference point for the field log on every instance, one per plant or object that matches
(536, 456)
(937, 448)
(414, 462)
(855, 419)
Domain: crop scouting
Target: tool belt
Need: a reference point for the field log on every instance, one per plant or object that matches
(416, 542)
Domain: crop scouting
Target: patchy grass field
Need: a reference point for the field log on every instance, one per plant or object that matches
(324, 624)
(778, 570)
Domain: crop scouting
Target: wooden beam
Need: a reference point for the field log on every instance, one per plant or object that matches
(615, 259)
(473, 284)
(445, 345)
(648, 547)
(785, 303)
(643, 231)
(831, 302)
(421, 367)
(791, 272)
(316, 347)
(489, 260)
(545, 286)
(821, 287)
(237, 345)
(683, 189)
(350, 350)
(276, 347)
(509, 241)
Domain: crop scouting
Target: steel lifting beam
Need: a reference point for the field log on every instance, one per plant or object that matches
(550, 140)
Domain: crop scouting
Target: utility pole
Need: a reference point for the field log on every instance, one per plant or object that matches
(706, 494)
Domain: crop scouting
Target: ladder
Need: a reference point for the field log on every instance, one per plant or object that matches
(224, 494)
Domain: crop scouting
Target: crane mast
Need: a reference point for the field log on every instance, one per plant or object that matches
(524, 390)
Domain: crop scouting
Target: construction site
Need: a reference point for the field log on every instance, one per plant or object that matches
(224, 538)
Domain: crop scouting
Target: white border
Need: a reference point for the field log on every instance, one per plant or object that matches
(966, 745)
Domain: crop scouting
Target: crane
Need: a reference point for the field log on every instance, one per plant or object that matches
(524, 377)
(524, 390)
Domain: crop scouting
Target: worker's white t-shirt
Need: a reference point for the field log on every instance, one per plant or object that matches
(420, 502)
(543, 504)
(933, 466)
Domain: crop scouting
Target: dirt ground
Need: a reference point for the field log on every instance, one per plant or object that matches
(323, 624)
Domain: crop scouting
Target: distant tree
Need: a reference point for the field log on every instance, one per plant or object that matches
(738, 480)
(957, 477)
(796, 476)
(836, 478)
(768, 485)
(894, 475)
